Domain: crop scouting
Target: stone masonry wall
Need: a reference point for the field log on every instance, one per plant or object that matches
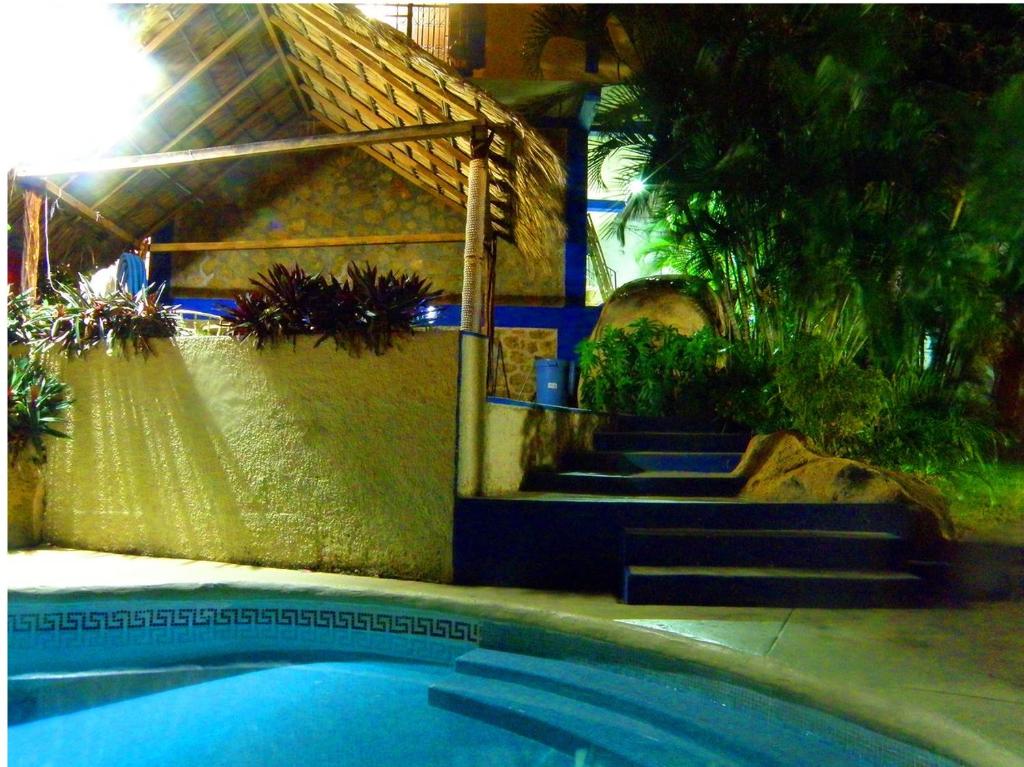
(338, 193)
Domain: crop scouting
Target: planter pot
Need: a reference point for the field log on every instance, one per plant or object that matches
(24, 502)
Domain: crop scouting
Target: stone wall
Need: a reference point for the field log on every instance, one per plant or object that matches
(337, 193)
(520, 347)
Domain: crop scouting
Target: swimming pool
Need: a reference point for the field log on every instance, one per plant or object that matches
(179, 678)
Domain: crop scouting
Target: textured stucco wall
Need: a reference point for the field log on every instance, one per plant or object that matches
(291, 456)
(343, 193)
(517, 439)
(24, 503)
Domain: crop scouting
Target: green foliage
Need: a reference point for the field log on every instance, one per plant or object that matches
(367, 310)
(929, 428)
(27, 321)
(649, 369)
(828, 396)
(119, 320)
(36, 404)
(75, 319)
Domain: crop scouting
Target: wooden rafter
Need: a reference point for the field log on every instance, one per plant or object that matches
(265, 17)
(215, 55)
(410, 133)
(370, 64)
(171, 29)
(387, 161)
(309, 242)
(195, 124)
(88, 213)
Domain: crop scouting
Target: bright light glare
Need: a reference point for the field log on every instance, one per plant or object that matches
(76, 81)
(637, 186)
(379, 11)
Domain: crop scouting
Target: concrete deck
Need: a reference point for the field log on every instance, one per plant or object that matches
(949, 678)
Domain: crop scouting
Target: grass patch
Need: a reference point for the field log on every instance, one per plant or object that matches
(987, 503)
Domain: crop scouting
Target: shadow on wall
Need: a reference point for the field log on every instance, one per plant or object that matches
(549, 434)
(293, 456)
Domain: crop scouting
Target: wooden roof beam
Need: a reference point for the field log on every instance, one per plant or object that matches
(90, 214)
(171, 29)
(382, 157)
(282, 58)
(365, 115)
(442, 181)
(309, 242)
(215, 55)
(409, 133)
(212, 110)
(429, 85)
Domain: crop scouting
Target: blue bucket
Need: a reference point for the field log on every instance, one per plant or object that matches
(552, 381)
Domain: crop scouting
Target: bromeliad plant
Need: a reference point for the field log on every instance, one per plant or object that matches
(120, 319)
(367, 310)
(36, 404)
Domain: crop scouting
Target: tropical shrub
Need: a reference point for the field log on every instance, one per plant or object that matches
(930, 428)
(649, 369)
(828, 396)
(36, 404)
(367, 310)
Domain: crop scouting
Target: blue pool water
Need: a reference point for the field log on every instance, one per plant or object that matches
(243, 679)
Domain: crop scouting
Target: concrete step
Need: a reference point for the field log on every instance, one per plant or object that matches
(562, 541)
(626, 462)
(680, 441)
(566, 724)
(825, 549)
(770, 586)
(671, 484)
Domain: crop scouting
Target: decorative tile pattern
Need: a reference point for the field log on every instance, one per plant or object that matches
(194, 617)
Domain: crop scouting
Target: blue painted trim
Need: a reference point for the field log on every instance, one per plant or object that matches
(605, 206)
(573, 323)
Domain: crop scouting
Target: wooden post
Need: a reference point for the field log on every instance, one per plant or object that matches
(33, 241)
(473, 347)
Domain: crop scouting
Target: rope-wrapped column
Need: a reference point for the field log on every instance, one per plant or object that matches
(472, 344)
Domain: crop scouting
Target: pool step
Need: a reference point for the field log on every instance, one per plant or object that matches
(672, 441)
(824, 549)
(769, 586)
(671, 483)
(688, 711)
(634, 462)
(565, 724)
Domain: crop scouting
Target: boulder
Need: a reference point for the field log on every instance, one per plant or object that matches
(783, 467)
(662, 298)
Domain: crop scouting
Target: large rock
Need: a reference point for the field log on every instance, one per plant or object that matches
(663, 299)
(782, 467)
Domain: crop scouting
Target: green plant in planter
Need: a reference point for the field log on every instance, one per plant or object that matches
(36, 403)
(82, 319)
(392, 305)
(367, 310)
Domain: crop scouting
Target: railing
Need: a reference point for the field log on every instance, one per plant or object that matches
(451, 33)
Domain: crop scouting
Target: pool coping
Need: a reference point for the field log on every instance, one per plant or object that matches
(885, 715)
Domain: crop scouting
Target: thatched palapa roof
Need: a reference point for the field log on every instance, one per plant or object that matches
(239, 74)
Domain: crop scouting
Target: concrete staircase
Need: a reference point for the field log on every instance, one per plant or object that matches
(652, 514)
